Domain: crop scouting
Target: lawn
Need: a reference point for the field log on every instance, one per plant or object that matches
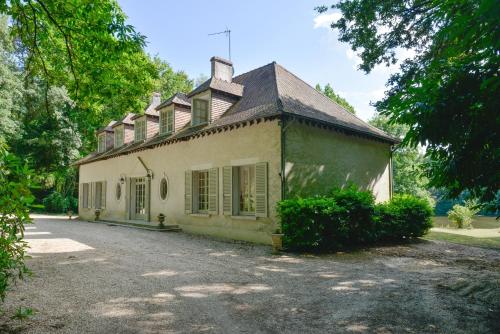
(485, 232)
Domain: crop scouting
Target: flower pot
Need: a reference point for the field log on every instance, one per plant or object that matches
(277, 241)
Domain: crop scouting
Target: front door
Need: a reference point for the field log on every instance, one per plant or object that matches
(138, 198)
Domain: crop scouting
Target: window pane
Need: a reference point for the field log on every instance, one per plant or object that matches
(200, 111)
(247, 189)
(203, 191)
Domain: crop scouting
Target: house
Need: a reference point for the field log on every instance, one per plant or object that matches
(217, 160)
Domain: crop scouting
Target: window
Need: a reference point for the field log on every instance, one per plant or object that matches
(140, 129)
(163, 188)
(85, 195)
(118, 191)
(202, 191)
(200, 111)
(119, 136)
(166, 121)
(246, 189)
(101, 143)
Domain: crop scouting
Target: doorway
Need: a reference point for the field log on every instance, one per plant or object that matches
(139, 198)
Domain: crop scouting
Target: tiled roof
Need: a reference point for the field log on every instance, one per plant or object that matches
(177, 98)
(127, 120)
(268, 91)
(108, 128)
(220, 85)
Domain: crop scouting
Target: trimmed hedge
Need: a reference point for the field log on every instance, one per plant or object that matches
(349, 218)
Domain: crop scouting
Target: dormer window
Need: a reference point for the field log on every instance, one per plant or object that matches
(119, 135)
(101, 142)
(140, 129)
(167, 121)
(200, 111)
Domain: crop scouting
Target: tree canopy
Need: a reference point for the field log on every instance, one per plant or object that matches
(448, 93)
(329, 92)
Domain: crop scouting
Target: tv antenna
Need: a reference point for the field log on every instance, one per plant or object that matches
(227, 32)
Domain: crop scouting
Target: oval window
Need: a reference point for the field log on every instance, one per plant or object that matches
(118, 191)
(163, 188)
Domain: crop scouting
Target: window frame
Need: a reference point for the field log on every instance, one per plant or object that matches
(140, 129)
(201, 197)
(119, 140)
(167, 121)
(160, 188)
(251, 191)
(101, 146)
(195, 119)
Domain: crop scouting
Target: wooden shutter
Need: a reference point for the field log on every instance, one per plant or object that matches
(103, 194)
(227, 190)
(91, 195)
(188, 191)
(213, 190)
(80, 196)
(261, 189)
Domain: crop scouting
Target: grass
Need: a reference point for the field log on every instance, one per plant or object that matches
(493, 243)
(479, 222)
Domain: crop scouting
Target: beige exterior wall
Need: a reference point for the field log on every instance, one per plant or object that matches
(245, 145)
(317, 159)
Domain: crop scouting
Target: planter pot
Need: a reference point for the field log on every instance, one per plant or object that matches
(277, 241)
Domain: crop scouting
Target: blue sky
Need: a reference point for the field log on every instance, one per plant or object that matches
(288, 32)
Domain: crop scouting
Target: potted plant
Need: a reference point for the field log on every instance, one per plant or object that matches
(161, 219)
(277, 238)
(97, 214)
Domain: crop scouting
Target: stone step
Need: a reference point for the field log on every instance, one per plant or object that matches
(149, 227)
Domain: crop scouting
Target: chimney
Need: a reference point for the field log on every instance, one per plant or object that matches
(222, 69)
(155, 100)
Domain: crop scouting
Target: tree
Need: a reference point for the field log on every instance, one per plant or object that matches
(15, 201)
(408, 162)
(448, 93)
(170, 82)
(329, 92)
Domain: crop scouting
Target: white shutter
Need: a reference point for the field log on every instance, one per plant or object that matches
(213, 187)
(103, 194)
(227, 190)
(188, 190)
(261, 189)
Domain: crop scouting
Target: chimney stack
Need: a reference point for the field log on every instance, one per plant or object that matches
(222, 69)
(155, 100)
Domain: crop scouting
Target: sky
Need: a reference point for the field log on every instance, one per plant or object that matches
(291, 33)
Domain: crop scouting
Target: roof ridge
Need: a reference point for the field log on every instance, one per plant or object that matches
(279, 103)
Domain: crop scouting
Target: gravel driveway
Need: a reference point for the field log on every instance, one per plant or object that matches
(95, 278)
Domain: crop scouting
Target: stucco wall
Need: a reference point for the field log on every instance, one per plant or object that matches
(246, 145)
(318, 159)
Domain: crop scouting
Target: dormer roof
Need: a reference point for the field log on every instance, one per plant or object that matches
(107, 128)
(231, 88)
(127, 120)
(177, 98)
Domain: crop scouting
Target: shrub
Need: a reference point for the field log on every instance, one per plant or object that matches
(403, 217)
(461, 215)
(349, 217)
(56, 203)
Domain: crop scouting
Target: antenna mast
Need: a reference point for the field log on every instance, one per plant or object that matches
(228, 34)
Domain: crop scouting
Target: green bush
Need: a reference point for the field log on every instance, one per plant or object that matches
(461, 215)
(56, 203)
(349, 218)
(403, 217)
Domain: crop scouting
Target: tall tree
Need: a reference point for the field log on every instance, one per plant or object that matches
(448, 93)
(408, 162)
(328, 91)
(169, 81)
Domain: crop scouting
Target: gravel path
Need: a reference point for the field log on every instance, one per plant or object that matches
(94, 278)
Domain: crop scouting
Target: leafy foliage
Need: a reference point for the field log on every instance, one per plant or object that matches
(408, 162)
(329, 92)
(349, 218)
(57, 203)
(15, 201)
(461, 215)
(447, 94)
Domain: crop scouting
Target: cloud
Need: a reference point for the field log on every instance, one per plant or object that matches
(325, 20)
